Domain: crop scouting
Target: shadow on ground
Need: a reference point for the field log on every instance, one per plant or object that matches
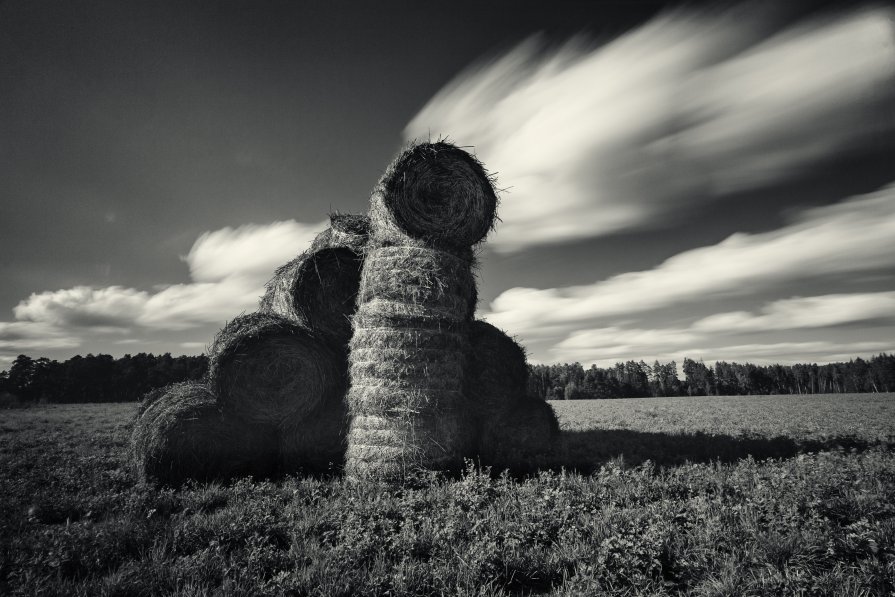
(585, 451)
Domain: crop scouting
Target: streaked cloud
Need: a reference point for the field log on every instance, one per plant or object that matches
(685, 109)
(228, 266)
(83, 307)
(22, 336)
(853, 236)
(805, 312)
(250, 251)
(607, 346)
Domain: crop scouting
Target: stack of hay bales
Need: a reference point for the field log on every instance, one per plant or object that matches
(273, 399)
(416, 397)
(385, 302)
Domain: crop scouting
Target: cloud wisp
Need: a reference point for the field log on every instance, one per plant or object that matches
(719, 337)
(687, 108)
(805, 312)
(853, 236)
(228, 267)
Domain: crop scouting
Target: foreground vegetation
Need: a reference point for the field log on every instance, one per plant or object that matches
(73, 521)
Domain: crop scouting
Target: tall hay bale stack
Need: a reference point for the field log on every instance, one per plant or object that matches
(269, 371)
(417, 295)
(318, 289)
(183, 434)
(515, 431)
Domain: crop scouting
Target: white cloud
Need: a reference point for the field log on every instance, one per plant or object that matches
(229, 268)
(83, 306)
(852, 236)
(686, 108)
(607, 346)
(252, 251)
(20, 336)
(805, 312)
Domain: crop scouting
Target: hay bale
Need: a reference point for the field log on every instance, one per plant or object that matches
(349, 230)
(417, 294)
(441, 282)
(435, 193)
(522, 438)
(498, 373)
(270, 371)
(317, 443)
(149, 397)
(183, 434)
(515, 431)
(318, 289)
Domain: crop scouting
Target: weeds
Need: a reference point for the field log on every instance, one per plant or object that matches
(75, 523)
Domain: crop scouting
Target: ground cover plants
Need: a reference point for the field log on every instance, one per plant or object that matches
(73, 520)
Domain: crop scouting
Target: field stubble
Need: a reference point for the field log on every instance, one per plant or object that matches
(74, 522)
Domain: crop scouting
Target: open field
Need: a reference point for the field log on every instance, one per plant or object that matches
(72, 520)
(726, 428)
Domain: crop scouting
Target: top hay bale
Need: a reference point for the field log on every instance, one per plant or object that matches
(436, 194)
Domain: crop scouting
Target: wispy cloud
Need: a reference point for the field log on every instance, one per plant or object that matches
(19, 336)
(607, 346)
(852, 236)
(229, 268)
(685, 109)
(805, 312)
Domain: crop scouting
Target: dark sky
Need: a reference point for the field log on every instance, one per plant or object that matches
(127, 130)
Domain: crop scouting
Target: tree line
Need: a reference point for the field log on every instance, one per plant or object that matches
(97, 378)
(638, 379)
(102, 378)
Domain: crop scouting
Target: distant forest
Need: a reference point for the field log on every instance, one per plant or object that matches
(638, 379)
(102, 378)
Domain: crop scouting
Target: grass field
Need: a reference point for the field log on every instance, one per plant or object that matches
(702, 517)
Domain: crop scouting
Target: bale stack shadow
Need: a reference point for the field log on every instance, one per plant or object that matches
(364, 354)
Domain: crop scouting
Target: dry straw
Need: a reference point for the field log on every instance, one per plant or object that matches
(417, 294)
(318, 289)
(435, 195)
(523, 439)
(515, 431)
(182, 434)
(270, 371)
(315, 444)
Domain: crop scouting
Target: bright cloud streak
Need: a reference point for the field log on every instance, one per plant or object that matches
(18, 336)
(852, 236)
(229, 268)
(686, 108)
(589, 348)
(607, 345)
(805, 312)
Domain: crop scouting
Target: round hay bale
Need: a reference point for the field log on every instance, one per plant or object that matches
(349, 230)
(435, 193)
(406, 399)
(317, 443)
(183, 434)
(318, 289)
(522, 438)
(267, 370)
(498, 373)
(149, 397)
(437, 280)
(397, 445)
(386, 314)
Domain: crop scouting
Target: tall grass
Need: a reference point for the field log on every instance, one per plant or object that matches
(75, 523)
